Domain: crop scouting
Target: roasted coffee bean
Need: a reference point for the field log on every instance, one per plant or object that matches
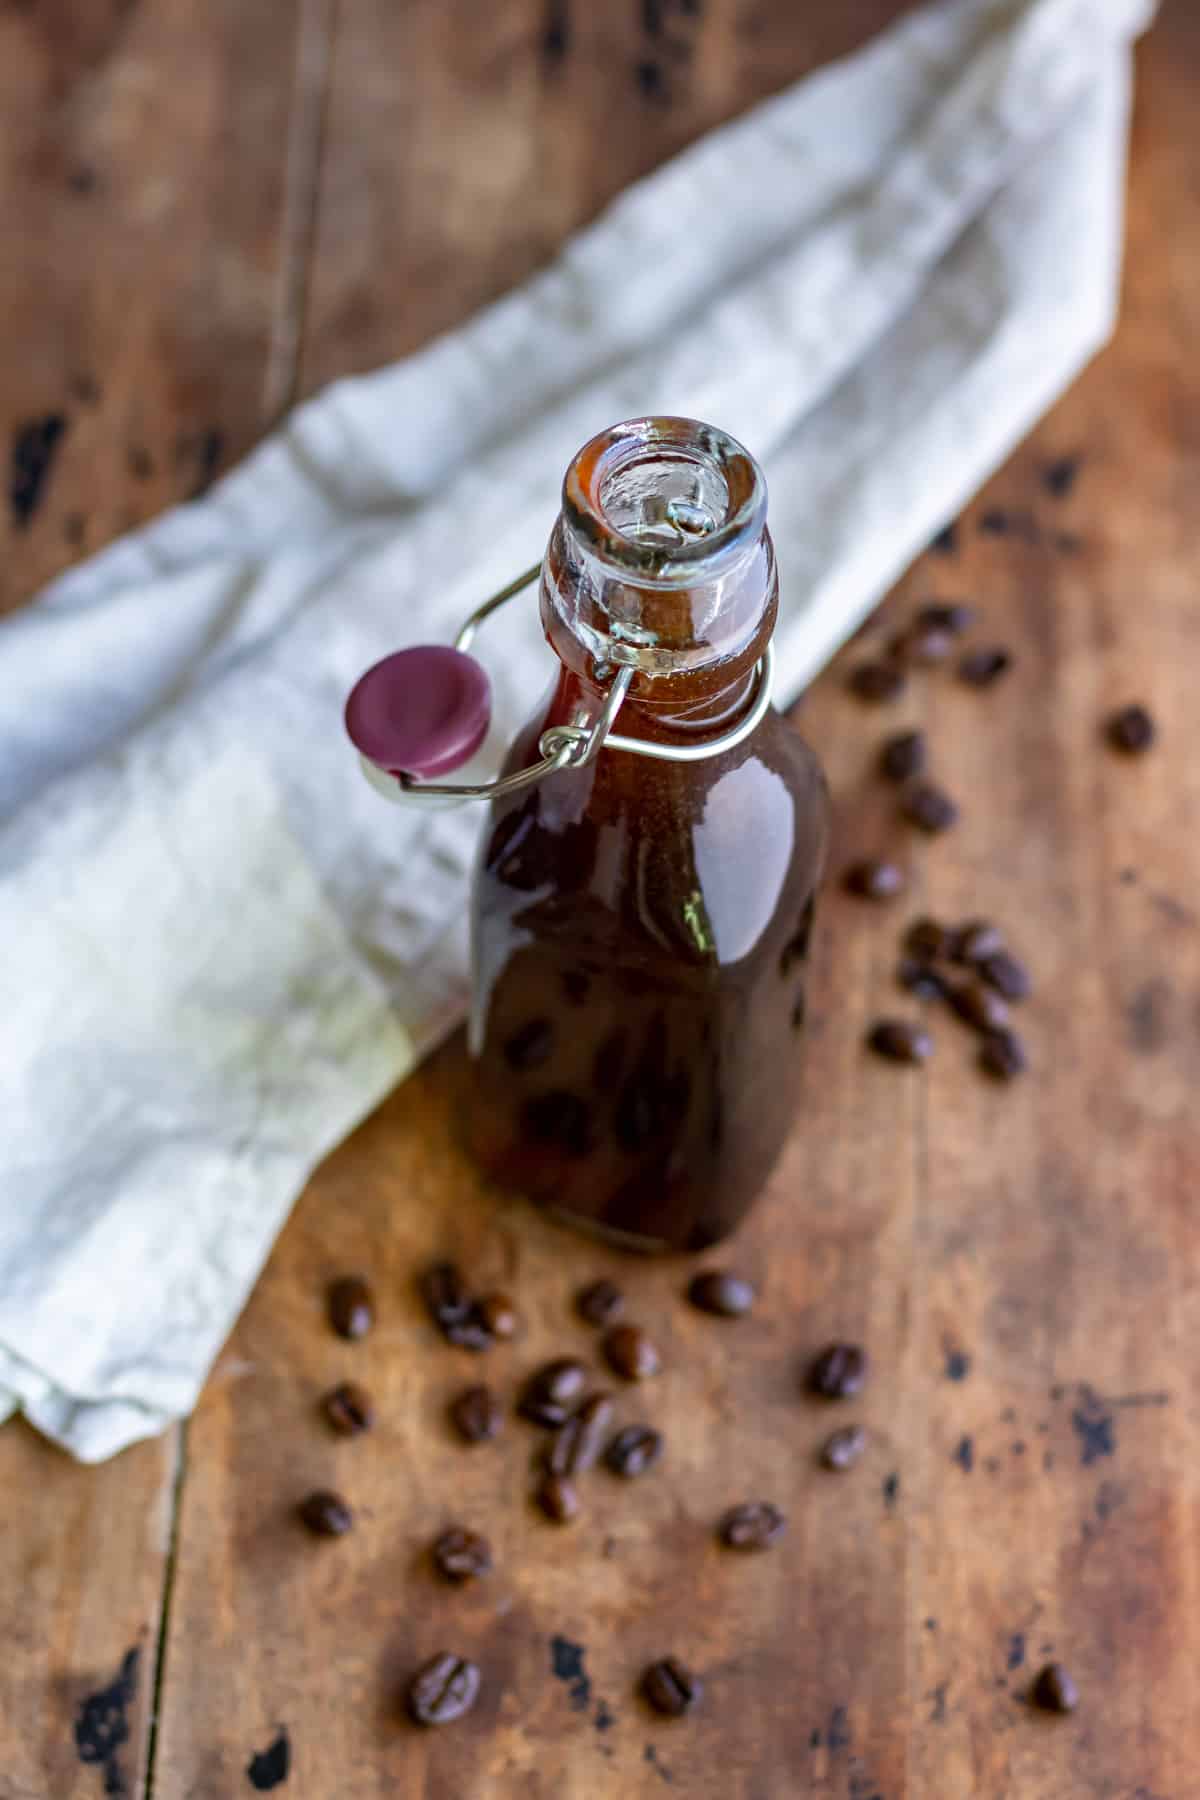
(839, 1371)
(477, 1415)
(752, 1526)
(1002, 1054)
(980, 1007)
(442, 1690)
(552, 1392)
(671, 1688)
(1004, 973)
(974, 941)
(921, 979)
(351, 1306)
(720, 1292)
(445, 1294)
(877, 682)
(903, 756)
(900, 1040)
(927, 940)
(979, 668)
(461, 1555)
(1060, 476)
(530, 1046)
(1055, 1690)
(843, 1449)
(600, 1302)
(498, 1315)
(558, 1499)
(875, 879)
(326, 1514)
(575, 1447)
(929, 807)
(470, 1333)
(1131, 730)
(946, 615)
(349, 1409)
(630, 1352)
(635, 1449)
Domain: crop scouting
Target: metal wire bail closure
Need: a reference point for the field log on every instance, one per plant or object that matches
(561, 746)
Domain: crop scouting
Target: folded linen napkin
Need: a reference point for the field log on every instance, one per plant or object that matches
(221, 949)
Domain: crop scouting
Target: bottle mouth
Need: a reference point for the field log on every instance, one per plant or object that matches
(665, 500)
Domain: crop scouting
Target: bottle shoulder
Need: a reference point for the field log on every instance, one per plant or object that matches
(700, 856)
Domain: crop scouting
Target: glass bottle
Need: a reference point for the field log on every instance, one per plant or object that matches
(641, 924)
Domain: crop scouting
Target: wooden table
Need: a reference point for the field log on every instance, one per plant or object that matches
(210, 210)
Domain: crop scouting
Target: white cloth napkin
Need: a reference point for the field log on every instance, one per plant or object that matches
(221, 949)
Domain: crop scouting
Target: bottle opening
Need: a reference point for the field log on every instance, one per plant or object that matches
(666, 500)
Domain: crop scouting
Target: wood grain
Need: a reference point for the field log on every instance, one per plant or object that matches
(145, 154)
(1020, 1262)
(82, 1562)
(464, 143)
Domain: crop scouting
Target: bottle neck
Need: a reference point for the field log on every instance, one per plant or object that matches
(661, 561)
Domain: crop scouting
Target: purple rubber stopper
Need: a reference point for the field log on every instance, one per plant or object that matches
(421, 712)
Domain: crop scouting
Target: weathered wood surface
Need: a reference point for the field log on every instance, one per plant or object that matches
(1038, 1241)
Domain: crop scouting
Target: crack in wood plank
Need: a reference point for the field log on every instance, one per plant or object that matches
(315, 44)
(175, 1507)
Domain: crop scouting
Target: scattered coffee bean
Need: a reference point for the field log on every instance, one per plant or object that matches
(843, 1449)
(326, 1514)
(929, 807)
(600, 1302)
(470, 1333)
(635, 1449)
(975, 940)
(349, 1409)
(752, 1526)
(980, 1007)
(903, 756)
(1131, 730)
(877, 682)
(461, 1555)
(927, 940)
(441, 1691)
(980, 668)
(498, 1315)
(954, 616)
(477, 1415)
(351, 1306)
(670, 1688)
(552, 1391)
(839, 1371)
(1060, 476)
(1055, 1690)
(722, 1293)
(900, 1040)
(575, 1447)
(445, 1294)
(1004, 973)
(1002, 1054)
(921, 979)
(530, 1046)
(874, 879)
(558, 1499)
(630, 1352)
